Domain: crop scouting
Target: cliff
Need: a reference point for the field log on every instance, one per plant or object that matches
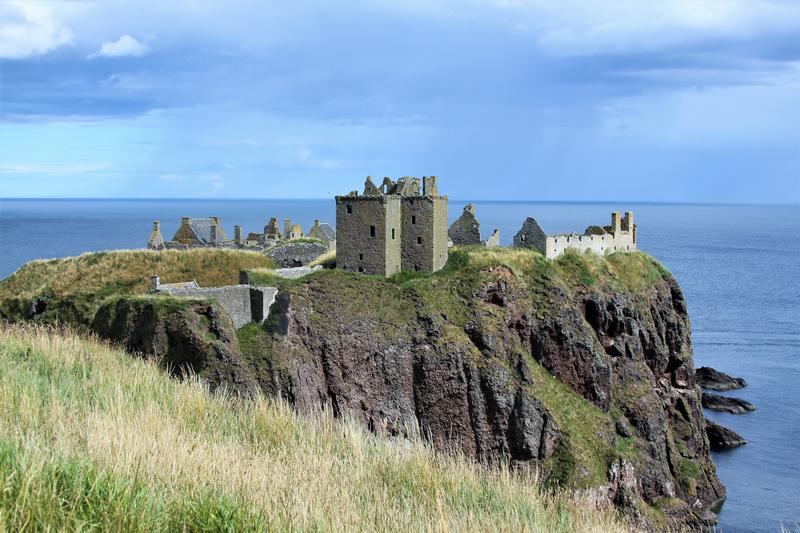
(580, 368)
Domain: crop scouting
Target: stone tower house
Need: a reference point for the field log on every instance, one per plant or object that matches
(397, 226)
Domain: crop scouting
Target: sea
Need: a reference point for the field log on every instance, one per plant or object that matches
(739, 266)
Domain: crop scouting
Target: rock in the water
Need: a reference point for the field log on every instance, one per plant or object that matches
(709, 378)
(735, 406)
(722, 438)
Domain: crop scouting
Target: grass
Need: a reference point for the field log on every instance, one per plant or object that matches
(327, 260)
(92, 439)
(76, 286)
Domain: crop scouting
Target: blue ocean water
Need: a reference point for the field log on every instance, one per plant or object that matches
(738, 265)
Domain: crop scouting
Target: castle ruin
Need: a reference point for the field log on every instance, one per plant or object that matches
(620, 236)
(207, 232)
(399, 226)
(466, 230)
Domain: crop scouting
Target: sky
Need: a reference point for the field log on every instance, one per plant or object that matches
(569, 100)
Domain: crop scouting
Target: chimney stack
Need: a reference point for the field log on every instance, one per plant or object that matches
(429, 186)
(287, 228)
(237, 234)
(616, 223)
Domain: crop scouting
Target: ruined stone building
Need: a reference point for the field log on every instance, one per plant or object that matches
(400, 226)
(620, 236)
(325, 233)
(467, 230)
(207, 232)
(192, 233)
(243, 303)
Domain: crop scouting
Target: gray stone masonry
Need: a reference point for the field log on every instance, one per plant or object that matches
(392, 228)
(156, 240)
(295, 254)
(494, 240)
(466, 229)
(620, 237)
(243, 303)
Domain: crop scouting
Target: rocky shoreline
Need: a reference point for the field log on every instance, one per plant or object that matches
(720, 437)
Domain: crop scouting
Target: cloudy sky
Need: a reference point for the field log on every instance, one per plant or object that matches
(678, 100)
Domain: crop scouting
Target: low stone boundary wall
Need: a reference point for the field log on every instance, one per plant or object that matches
(244, 303)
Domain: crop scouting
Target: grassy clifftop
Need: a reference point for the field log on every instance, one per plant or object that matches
(91, 438)
(76, 286)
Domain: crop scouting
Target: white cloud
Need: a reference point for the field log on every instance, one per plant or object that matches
(52, 169)
(125, 46)
(577, 27)
(29, 29)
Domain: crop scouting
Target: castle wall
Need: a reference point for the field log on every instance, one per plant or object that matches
(531, 236)
(466, 229)
(243, 303)
(369, 244)
(417, 234)
(440, 236)
(622, 241)
(424, 233)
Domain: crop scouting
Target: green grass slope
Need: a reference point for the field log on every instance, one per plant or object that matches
(92, 439)
(76, 286)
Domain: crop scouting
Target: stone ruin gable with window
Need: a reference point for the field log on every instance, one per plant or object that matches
(620, 236)
(397, 226)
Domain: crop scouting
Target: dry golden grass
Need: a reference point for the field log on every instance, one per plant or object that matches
(326, 259)
(92, 438)
(86, 279)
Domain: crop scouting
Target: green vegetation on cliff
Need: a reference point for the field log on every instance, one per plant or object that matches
(92, 439)
(75, 287)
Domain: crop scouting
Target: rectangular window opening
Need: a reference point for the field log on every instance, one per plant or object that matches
(349, 209)
(372, 231)
(419, 240)
(413, 219)
(392, 233)
(361, 269)
(360, 257)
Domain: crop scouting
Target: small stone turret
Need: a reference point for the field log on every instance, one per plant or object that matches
(156, 240)
(237, 235)
(214, 233)
(287, 228)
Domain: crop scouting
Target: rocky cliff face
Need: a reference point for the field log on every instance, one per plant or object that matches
(581, 368)
(194, 337)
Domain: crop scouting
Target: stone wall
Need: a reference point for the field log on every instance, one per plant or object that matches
(383, 233)
(531, 236)
(294, 254)
(368, 234)
(466, 229)
(600, 244)
(243, 303)
(418, 234)
(494, 240)
(594, 239)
